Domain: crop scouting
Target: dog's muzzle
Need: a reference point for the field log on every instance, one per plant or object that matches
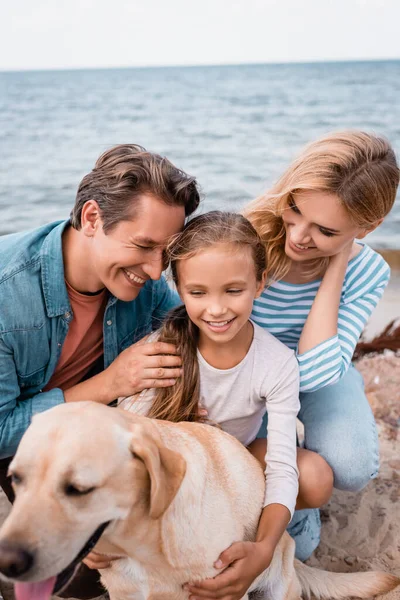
(67, 574)
(16, 563)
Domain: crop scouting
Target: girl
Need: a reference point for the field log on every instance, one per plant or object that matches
(323, 285)
(236, 370)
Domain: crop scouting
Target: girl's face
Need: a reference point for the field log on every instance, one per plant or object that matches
(218, 286)
(317, 226)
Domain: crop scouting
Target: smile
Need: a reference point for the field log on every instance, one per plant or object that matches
(134, 278)
(218, 323)
(300, 247)
(220, 326)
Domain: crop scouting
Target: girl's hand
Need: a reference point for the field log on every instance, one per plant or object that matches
(242, 563)
(201, 411)
(95, 560)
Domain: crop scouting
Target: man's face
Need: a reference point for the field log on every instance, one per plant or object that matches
(132, 253)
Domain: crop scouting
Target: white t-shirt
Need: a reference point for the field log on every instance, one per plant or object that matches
(266, 380)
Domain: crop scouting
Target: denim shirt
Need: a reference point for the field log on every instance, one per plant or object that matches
(35, 314)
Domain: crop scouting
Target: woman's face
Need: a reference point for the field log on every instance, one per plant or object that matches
(317, 226)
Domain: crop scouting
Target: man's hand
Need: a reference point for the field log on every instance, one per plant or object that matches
(242, 563)
(143, 366)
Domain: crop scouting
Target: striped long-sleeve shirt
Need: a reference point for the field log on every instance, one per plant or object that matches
(283, 309)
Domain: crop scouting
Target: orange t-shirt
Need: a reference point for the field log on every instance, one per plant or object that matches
(83, 344)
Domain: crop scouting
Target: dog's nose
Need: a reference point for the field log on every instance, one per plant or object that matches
(14, 560)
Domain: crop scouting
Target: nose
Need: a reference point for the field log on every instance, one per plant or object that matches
(300, 234)
(14, 561)
(216, 309)
(154, 266)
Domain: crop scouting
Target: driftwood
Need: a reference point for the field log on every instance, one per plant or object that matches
(389, 339)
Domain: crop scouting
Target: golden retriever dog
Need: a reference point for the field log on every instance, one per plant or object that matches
(166, 498)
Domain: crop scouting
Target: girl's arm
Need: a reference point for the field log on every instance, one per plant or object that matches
(334, 324)
(242, 562)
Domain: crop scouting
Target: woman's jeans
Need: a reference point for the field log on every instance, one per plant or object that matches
(338, 425)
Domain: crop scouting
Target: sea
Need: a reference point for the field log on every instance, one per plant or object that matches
(236, 128)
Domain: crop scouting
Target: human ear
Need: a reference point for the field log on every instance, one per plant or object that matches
(90, 218)
(261, 284)
(363, 232)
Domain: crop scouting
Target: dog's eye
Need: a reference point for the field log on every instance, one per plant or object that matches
(71, 490)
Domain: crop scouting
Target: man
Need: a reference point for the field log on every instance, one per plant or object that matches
(75, 296)
(73, 293)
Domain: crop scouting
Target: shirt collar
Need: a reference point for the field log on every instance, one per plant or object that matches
(52, 268)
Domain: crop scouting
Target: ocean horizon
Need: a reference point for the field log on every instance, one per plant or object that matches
(235, 127)
(201, 65)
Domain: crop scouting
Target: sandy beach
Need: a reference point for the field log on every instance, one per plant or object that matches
(361, 531)
(388, 308)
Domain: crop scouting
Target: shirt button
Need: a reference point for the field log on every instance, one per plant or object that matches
(67, 315)
(59, 345)
(109, 322)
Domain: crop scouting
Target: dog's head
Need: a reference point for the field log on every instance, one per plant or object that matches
(81, 468)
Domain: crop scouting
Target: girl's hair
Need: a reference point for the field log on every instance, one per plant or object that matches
(180, 401)
(359, 168)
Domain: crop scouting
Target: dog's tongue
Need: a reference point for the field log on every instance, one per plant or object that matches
(38, 590)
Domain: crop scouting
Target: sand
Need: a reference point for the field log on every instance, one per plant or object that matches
(361, 531)
(389, 306)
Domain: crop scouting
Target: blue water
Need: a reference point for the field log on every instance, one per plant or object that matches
(235, 127)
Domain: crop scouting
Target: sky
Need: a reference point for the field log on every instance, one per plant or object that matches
(47, 34)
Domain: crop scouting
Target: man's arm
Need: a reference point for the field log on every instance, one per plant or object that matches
(141, 366)
(15, 414)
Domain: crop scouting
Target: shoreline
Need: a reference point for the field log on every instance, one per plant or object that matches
(388, 308)
(392, 257)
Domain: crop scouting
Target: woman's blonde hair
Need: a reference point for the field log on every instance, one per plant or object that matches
(359, 168)
(180, 401)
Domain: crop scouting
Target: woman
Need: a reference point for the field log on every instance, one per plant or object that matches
(323, 285)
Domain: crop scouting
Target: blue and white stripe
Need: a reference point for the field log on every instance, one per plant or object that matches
(283, 309)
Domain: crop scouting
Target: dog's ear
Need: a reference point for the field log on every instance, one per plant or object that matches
(166, 467)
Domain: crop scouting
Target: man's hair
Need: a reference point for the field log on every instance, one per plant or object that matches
(125, 172)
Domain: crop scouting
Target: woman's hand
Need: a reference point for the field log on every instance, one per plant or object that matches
(342, 258)
(242, 562)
